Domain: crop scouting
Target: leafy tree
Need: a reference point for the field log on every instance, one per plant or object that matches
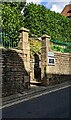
(40, 20)
(12, 20)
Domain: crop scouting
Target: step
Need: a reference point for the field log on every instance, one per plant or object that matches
(35, 82)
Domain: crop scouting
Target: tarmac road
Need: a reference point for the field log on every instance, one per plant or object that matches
(51, 105)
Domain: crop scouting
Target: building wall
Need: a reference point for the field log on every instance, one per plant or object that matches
(67, 11)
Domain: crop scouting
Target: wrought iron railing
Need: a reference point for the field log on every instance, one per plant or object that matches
(61, 46)
(6, 41)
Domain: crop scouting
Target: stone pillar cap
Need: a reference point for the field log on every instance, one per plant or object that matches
(24, 29)
(45, 36)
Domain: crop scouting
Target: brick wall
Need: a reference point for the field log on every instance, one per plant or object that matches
(13, 71)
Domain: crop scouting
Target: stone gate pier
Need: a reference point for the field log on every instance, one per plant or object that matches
(25, 47)
(54, 65)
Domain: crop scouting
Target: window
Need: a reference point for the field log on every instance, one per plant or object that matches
(69, 11)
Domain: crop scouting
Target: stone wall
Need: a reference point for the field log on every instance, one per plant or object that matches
(13, 71)
(62, 64)
(60, 70)
(0, 77)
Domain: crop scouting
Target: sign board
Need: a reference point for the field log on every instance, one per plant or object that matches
(51, 54)
(51, 61)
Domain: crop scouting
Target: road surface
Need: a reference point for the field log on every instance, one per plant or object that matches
(51, 105)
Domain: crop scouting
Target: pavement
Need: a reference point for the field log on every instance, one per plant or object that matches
(33, 91)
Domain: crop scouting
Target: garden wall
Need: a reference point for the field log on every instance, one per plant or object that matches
(13, 71)
(55, 66)
(62, 64)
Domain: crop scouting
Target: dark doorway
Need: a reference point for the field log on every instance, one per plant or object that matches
(37, 69)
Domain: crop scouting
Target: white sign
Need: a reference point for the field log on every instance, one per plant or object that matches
(51, 54)
(51, 61)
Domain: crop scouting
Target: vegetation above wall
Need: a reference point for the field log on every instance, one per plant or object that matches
(12, 21)
(63, 49)
(35, 45)
(40, 20)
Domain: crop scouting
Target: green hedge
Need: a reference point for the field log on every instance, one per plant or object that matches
(40, 20)
(60, 48)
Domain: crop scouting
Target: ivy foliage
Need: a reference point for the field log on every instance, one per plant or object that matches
(40, 20)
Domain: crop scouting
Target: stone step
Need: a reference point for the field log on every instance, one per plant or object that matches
(34, 82)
